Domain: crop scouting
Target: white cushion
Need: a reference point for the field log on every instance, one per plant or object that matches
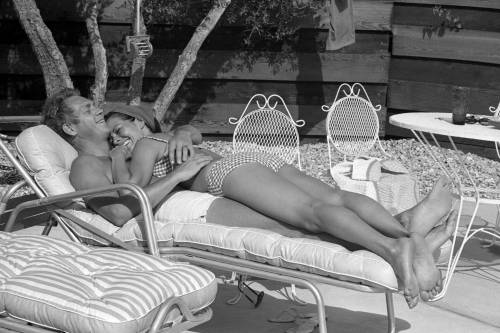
(308, 255)
(74, 288)
(49, 158)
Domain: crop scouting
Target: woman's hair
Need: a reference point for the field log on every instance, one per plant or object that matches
(131, 112)
(55, 112)
(120, 115)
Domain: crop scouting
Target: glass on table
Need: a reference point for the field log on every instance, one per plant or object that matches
(460, 104)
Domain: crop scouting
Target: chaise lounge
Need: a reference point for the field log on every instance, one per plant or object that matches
(261, 253)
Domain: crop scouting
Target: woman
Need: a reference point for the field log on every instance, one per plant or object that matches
(309, 203)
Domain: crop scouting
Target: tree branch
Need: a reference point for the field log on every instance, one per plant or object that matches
(54, 69)
(184, 64)
(98, 90)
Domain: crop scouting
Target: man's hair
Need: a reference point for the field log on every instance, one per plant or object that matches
(55, 112)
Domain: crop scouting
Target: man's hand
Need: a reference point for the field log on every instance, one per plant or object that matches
(192, 166)
(180, 146)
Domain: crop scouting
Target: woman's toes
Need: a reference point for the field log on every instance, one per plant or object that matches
(412, 301)
(425, 295)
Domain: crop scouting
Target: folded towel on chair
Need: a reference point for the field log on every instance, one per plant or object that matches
(366, 169)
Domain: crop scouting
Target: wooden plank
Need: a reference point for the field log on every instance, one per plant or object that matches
(471, 18)
(477, 75)
(243, 65)
(177, 36)
(368, 14)
(493, 4)
(374, 15)
(224, 91)
(210, 118)
(16, 87)
(434, 97)
(471, 45)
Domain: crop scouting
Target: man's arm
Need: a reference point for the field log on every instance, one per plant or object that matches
(87, 172)
(181, 143)
(193, 132)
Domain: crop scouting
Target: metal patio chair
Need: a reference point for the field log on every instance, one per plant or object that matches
(268, 129)
(352, 127)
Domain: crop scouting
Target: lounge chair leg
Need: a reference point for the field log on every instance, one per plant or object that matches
(391, 320)
(319, 303)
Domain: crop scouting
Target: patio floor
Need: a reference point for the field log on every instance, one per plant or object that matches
(472, 303)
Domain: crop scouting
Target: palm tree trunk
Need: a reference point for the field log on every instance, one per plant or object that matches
(55, 71)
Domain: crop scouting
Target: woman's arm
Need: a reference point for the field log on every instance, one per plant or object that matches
(144, 156)
(119, 168)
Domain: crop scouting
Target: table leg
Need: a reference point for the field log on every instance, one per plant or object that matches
(453, 174)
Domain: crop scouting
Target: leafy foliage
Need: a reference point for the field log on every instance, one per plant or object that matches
(444, 19)
(274, 20)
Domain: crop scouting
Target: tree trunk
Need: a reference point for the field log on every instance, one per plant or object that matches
(138, 65)
(98, 89)
(55, 71)
(184, 64)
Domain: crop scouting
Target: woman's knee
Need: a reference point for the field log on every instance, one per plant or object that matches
(312, 215)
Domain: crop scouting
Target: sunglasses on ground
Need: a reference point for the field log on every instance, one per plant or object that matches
(472, 120)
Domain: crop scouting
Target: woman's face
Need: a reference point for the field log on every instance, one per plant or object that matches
(124, 131)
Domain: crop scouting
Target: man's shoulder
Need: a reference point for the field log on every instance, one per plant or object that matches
(87, 168)
(86, 161)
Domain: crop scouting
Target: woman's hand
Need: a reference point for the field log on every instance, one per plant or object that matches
(122, 151)
(192, 166)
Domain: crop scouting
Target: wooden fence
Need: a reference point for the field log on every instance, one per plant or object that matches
(402, 69)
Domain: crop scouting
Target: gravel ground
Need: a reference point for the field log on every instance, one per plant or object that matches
(315, 162)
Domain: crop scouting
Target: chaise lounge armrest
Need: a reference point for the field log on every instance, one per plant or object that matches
(146, 210)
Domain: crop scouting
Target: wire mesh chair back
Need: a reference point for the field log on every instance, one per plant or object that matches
(267, 129)
(352, 123)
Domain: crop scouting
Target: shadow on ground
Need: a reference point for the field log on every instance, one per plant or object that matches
(243, 318)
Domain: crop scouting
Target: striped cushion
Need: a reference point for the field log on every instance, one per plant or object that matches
(74, 288)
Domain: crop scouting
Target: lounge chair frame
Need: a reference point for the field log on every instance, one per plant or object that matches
(218, 261)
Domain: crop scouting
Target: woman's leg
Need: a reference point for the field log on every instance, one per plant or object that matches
(366, 208)
(263, 190)
(420, 218)
(225, 211)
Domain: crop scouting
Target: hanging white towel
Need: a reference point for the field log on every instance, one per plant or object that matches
(342, 31)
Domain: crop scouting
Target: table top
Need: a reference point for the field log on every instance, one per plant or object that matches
(440, 123)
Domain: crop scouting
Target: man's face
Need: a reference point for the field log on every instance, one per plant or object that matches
(88, 120)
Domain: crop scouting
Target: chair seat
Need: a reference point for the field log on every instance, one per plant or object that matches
(395, 192)
(74, 288)
(264, 246)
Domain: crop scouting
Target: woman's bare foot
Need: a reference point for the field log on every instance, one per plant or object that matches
(428, 212)
(428, 276)
(401, 259)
